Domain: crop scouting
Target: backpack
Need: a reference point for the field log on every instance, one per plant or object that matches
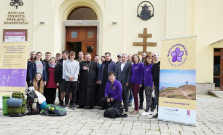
(32, 103)
(54, 110)
(16, 105)
(114, 113)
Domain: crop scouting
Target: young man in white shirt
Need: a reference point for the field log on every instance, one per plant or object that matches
(71, 77)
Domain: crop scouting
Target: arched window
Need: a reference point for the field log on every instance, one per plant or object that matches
(82, 13)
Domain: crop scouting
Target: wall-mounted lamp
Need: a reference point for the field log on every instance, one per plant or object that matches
(42, 22)
(114, 22)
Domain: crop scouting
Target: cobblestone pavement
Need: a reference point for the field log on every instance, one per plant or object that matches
(91, 121)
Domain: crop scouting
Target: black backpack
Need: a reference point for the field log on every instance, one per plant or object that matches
(32, 104)
(114, 113)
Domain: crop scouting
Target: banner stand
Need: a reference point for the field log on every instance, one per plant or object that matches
(177, 85)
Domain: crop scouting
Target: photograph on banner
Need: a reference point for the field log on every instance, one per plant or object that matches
(179, 84)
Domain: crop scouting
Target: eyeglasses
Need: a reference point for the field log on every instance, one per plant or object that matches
(154, 56)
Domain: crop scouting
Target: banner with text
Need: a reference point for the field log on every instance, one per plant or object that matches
(13, 67)
(177, 90)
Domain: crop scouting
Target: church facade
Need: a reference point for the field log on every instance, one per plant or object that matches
(119, 26)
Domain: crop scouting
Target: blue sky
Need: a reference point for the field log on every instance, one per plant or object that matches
(176, 78)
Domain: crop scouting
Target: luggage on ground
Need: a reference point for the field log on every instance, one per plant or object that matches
(16, 105)
(54, 110)
(32, 103)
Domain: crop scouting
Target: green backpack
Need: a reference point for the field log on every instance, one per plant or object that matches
(17, 111)
(54, 110)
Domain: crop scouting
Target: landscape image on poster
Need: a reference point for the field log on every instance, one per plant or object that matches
(179, 84)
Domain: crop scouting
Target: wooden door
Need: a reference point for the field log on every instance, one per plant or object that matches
(86, 35)
(89, 47)
(218, 68)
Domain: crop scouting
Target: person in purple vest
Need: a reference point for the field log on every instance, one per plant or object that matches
(136, 80)
(148, 84)
(113, 93)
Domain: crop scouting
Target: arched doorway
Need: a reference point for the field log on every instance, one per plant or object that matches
(82, 36)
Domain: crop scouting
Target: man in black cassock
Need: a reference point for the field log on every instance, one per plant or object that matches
(88, 82)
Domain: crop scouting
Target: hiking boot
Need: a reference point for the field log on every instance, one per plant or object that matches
(126, 109)
(74, 107)
(155, 116)
(61, 103)
(141, 107)
(135, 112)
(66, 106)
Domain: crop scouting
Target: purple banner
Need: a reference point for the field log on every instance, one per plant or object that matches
(12, 77)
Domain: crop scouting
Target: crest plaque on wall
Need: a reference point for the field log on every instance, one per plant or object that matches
(145, 10)
(16, 3)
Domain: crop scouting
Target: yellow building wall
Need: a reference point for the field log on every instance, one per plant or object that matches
(208, 26)
(172, 18)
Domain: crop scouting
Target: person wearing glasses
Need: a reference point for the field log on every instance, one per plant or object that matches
(156, 77)
(113, 93)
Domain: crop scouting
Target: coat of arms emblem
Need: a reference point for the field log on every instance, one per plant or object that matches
(147, 10)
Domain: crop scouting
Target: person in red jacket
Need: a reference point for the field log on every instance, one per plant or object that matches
(51, 86)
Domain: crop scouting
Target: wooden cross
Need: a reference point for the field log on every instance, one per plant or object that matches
(144, 43)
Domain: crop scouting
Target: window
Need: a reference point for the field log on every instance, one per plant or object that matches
(82, 13)
(73, 34)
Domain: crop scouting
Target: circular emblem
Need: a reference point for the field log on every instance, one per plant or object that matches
(145, 10)
(177, 55)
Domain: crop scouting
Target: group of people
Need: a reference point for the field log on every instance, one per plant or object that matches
(90, 83)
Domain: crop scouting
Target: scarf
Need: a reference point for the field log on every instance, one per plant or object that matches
(52, 65)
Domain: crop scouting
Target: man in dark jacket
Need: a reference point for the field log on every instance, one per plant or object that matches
(47, 58)
(88, 82)
(107, 66)
(156, 77)
(123, 73)
(32, 57)
(60, 76)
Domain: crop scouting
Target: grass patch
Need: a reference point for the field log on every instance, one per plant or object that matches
(179, 96)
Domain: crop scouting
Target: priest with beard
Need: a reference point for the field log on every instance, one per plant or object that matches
(107, 66)
(88, 82)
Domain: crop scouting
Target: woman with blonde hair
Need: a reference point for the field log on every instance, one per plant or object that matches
(37, 83)
(37, 66)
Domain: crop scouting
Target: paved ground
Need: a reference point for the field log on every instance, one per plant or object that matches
(91, 121)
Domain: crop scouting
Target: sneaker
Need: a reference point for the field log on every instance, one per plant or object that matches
(135, 112)
(74, 107)
(130, 104)
(155, 116)
(145, 113)
(151, 113)
(66, 106)
(91, 107)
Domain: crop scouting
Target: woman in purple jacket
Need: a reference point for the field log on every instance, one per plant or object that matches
(113, 93)
(148, 83)
(136, 80)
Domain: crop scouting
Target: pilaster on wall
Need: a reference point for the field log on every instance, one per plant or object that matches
(176, 18)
